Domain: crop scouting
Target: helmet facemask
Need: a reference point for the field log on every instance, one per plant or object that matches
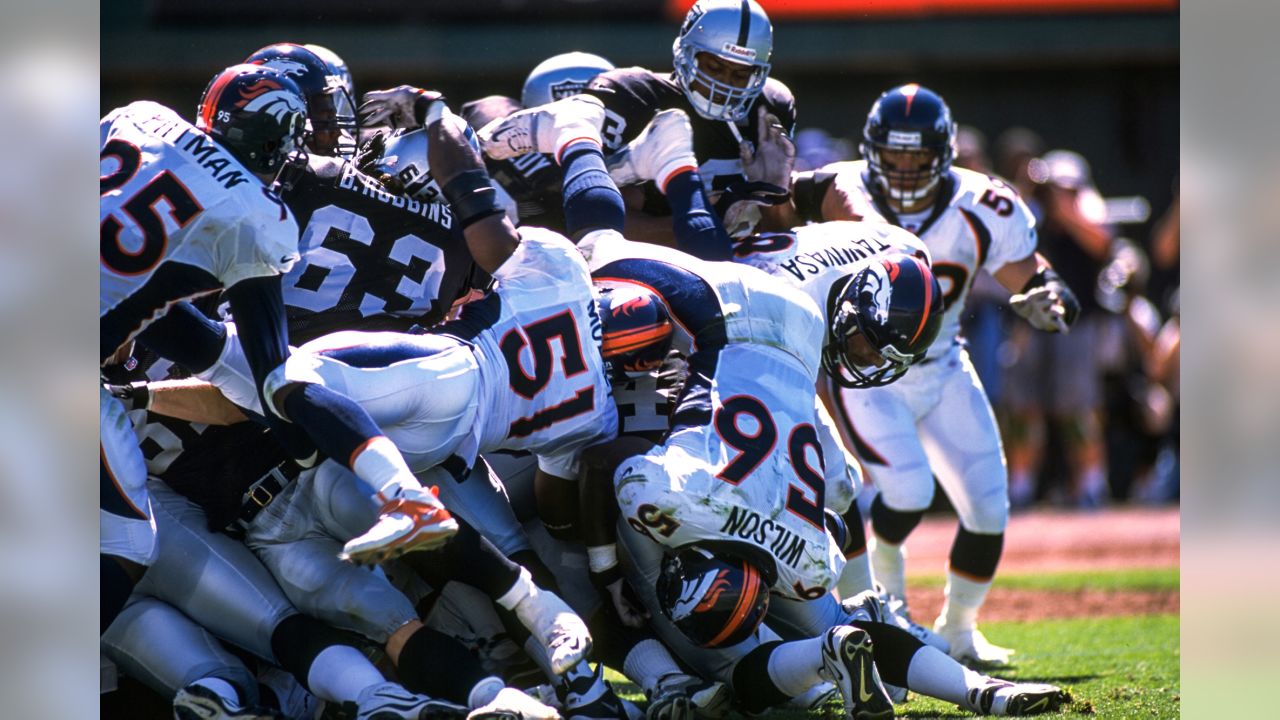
(843, 365)
(906, 176)
(712, 98)
(332, 123)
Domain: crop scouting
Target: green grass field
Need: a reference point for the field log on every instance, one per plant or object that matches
(1118, 667)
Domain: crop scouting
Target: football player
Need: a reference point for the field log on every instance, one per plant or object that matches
(937, 421)
(739, 508)
(224, 229)
(742, 119)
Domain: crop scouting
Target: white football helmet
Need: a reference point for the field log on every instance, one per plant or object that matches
(736, 31)
(561, 76)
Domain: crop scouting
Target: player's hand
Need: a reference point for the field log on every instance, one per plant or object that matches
(371, 151)
(627, 604)
(1043, 307)
(774, 155)
(404, 106)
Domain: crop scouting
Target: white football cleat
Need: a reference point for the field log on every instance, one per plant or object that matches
(970, 647)
(662, 148)
(878, 606)
(415, 521)
(557, 627)
(1007, 699)
(544, 129)
(684, 697)
(390, 701)
(511, 704)
(847, 662)
(197, 702)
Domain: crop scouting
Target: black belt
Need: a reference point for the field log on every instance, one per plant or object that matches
(264, 491)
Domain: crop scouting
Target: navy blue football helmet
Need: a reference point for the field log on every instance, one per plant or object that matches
(896, 304)
(915, 123)
(332, 126)
(256, 113)
(715, 600)
(637, 328)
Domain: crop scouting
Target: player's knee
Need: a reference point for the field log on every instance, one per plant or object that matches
(988, 509)
(297, 640)
(893, 525)
(298, 369)
(909, 491)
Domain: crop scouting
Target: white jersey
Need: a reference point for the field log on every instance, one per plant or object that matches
(815, 257)
(714, 304)
(752, 476)
(180, 217)
(983, 225)
(520, 369)
(545, 387)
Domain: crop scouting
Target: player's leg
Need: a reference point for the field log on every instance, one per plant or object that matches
(963, 443)
(127, 529)
(879, 426)
(289, 536)
(166, 651)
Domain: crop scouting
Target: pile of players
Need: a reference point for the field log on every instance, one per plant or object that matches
(582, 380)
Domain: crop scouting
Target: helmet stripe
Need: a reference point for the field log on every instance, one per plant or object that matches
(744, 28)
(210, 108)
(628, 340)
(928, 298)
(746, 600)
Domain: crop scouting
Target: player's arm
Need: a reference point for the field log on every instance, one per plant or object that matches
(599, 522)
(771, 161)
(465, 182)
(190, 399)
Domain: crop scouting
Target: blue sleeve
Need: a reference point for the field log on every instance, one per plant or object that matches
(185, 336)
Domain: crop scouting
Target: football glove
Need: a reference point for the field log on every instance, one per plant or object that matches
(1046, 302)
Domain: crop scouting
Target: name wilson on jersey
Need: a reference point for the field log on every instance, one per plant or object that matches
(752, 527)
(812, 263)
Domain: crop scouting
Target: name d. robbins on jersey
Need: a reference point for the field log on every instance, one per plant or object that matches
(752, 527)
(435, 212)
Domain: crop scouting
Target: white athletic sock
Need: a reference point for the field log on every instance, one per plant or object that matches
(222, 689)
(935, 674)
(380, 464)
(794, 666)
(522, 588)
(340, 672)
(856, 576)
(889, 564)
(538, 653)
(963, 599)
(484, 692)
(647, 662)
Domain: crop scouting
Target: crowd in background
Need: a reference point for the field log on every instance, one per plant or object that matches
(1089, 418)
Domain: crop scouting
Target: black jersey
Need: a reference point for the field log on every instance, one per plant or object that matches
(632, 96)
(534, 180)
(371, 260)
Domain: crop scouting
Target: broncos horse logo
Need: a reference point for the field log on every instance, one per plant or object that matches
(287, 67)
(271, 98)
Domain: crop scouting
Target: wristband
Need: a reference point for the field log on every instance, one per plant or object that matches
(602, 557)
(1044, 276)
(471, 197)
(135, 395)
(604, 579)
(428, 107)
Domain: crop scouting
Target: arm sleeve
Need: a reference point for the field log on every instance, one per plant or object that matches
(185, 336)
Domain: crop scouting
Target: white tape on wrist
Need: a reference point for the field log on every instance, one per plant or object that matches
(602, 557)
